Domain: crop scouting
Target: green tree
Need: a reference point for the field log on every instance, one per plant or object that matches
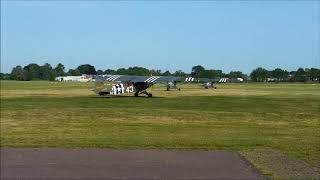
(86, 69)
(313, 74)
(154, 72)
(109, 71)
(259, 74)
(74, 72)
(236, 74)
(46, 72)
(300, 75)
(139, 71)
(31, 72)
(17, 73)
(59, 70)
(121, 71)
(4, 76)
(179, 73)
(100, 72)
(211, 73)
(279, 74)
(197, 71)
(167, 73)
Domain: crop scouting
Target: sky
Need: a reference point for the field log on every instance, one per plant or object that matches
(167, 35)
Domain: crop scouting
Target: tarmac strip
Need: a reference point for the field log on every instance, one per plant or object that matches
(58, 163)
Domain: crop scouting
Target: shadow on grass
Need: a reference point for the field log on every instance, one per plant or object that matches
(129, 97)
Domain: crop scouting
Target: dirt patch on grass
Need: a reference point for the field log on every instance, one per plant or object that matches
(277, 165)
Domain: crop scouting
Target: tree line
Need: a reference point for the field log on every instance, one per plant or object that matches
(47, 72)
(280, 75)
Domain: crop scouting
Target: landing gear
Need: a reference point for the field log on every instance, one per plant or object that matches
(146, 93)
(140, 88)
(136, 94)
(174, 87)
(101, 93)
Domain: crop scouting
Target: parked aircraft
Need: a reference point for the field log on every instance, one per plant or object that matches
(121, 84)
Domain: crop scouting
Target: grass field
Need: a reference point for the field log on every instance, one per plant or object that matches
(258, 120)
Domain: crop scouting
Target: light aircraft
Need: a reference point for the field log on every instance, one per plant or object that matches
(121, 84)
(209, 85)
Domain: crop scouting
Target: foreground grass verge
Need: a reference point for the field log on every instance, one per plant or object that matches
(236, 123)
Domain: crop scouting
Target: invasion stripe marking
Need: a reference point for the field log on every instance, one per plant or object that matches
(152, 79)
(109, 78)
(147, 80)
(189, 79)
(157, 77)
(114, 77)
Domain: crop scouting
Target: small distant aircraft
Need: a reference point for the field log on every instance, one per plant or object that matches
(209, 85)
(121, 84)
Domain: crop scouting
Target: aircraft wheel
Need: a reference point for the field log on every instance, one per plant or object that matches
(168, 89)
(136, 94)
(179, 89)
(149, 95)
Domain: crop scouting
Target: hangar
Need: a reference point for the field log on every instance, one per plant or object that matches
(82, 78)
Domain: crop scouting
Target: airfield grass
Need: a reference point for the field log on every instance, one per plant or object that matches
(244, 117)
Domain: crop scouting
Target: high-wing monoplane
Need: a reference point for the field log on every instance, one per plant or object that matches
(209, 84)
(121, 84)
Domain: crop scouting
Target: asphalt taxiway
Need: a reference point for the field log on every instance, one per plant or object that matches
(58, 163)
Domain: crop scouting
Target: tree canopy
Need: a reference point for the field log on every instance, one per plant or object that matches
(259, 75)
(34, 71)
(86, 69)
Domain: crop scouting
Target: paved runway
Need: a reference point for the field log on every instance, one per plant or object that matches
(56, 163)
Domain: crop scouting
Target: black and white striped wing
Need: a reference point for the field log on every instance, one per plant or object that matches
(165, 79)
(107, 77)
(127, 78)
(149, 79)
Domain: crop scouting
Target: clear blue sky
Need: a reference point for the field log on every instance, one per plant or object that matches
(234, 35)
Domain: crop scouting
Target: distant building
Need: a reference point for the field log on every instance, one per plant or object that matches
(82, 78)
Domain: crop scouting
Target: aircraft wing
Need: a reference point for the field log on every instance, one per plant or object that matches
(149, 79)
(129, 78)
(202, 80)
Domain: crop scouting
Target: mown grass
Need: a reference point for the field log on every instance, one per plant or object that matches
(241, 117)
(41, 85)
